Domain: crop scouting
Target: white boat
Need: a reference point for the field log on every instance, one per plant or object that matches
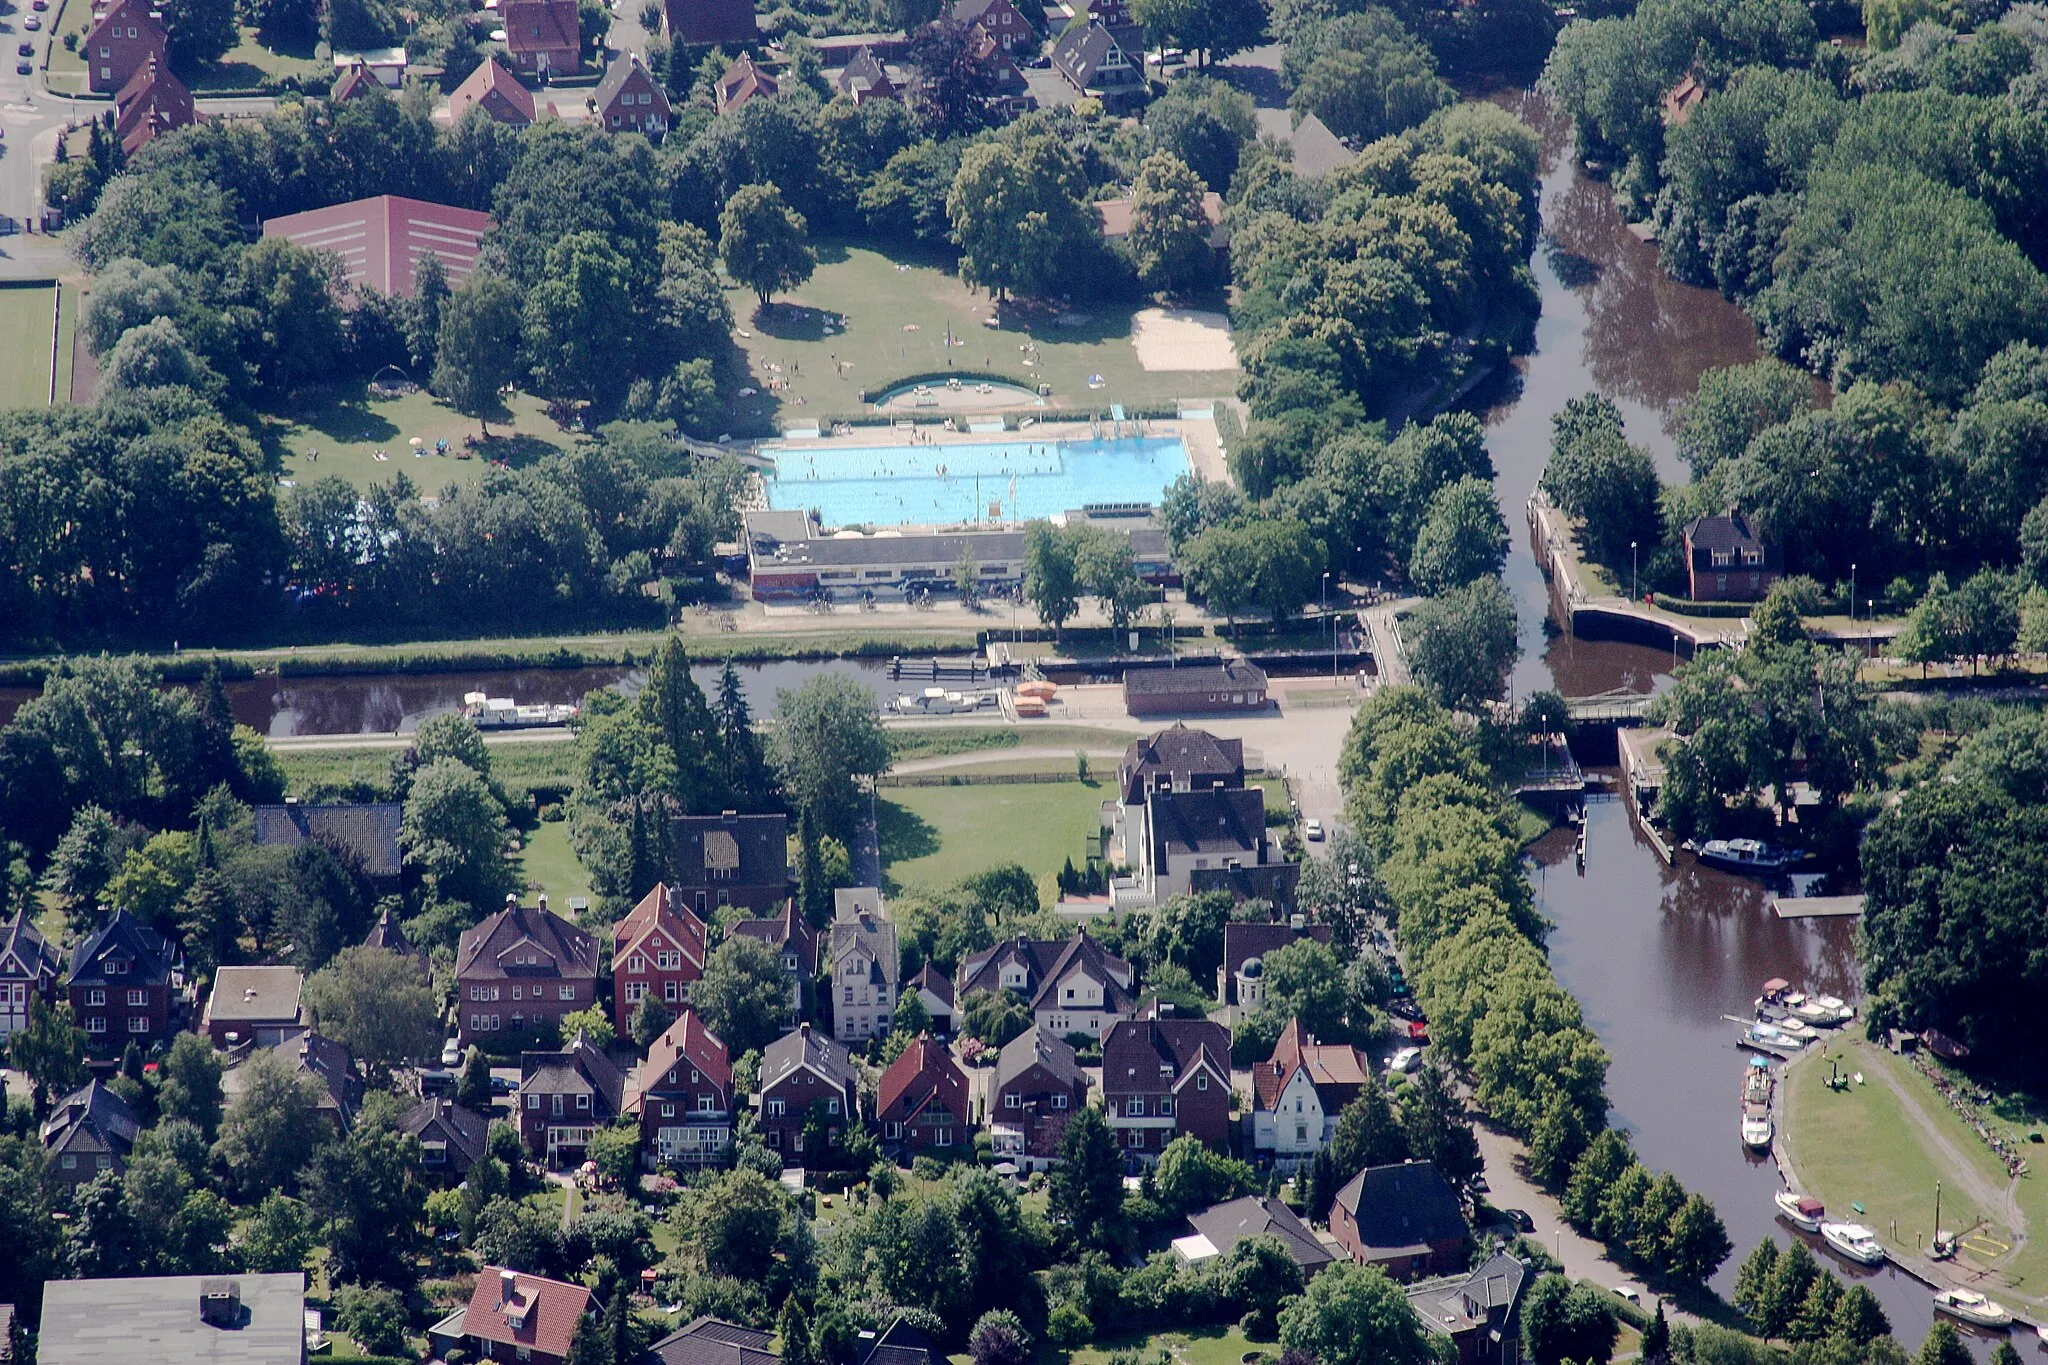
(1746, 855)
(502, 713)
(1802, 1211)
(1756, 1129)
(1756, 1106)
(1768, 1038)
(1853, 1240)
(1972, 1307)
(1817, 1011)
(1835, 1005)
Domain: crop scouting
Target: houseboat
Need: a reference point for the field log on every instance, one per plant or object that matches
(1772, 1040)
(1751, 856)
(1756, 1106)
(502, 713)
(1971, 1307)
(1802, 1211)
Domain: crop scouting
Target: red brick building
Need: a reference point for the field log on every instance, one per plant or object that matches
(1162, 1078)
(152, 103)
(123, 979)
(542, 36)
(922, 1103)
(497, 92)
(1405, 1219)
(731, 859)
(1000, 20)
(743, 81)
(800, 1069)
(565, 1096)
(657, 951)
(682, 1095)
(1726, 561)
(521, 969)
(1039, 1086)
(629, 100)
(527, 1318)
(124, 36)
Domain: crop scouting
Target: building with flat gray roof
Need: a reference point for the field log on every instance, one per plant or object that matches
(175, 1320)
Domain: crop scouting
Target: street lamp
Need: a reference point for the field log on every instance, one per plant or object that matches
(1333, 629)
(1631, 571)
(1852, 594)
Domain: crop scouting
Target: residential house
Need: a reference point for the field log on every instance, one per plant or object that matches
(1095, 63)
(175, 1320)
(565, 1096)
(1274, 881)
(933, 991)
(452, 1139)
(1240, 981)
(1480, 1312)
(257, 1003)
(521, 969)
(1163, 1078)
(630, 100)
(900, 1343)
(709, 1341)
(1072, 987)
(152, 102)
(88, 1131)
(682, 1096)
(1185, 833)
(123, 37)
(864, 967)
(1038, 1086)
(29, 968)
(798, 1070)
(657, 951)
(1298, 1093)
(791, 935)
(1217, 1230)
(497, 92)
(1317, 151)
(1117, 215)
(1178, 758)
(696, 23)
(1404, 1218)
(1235, 685)
(1000, 72)
(384, 65)
(1000, 20)
(387, 934)
(381, 242)
(731, 859)
(1726, 561)
(743, 81)
(923, 1102)
(864, 78)
(356, 80)
(366, 830)
(123, 980)
(528, 1318)
(337, 1085)
(542, 36)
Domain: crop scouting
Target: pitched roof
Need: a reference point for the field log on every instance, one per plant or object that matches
(931, 979)
(255, 994)
(154, 101)
(1082, 52)
(1140, 1054)
(1194, 678)
(924, 1077)
(1036, 1046)
(1180, 757)
(1116, 216)
(25, 955)
(1317, 150)
(523, 941)
(540, 26)
(708, 1341)
(618, 72)
(381, 242)
(123, 935)
(1225, 1225)
(466, 1132)
(1242, 942)
(539, 1313)
(1461, 1303)
(1727, 532)
(1046, 963)
(1226, 821)
(780, 931)
(872, 937)
(1337, 1070)
(497, 90)
(686, 1040)
(368, 830)
(754, 847)
(1402, 1208)
(659, 909)
(742, 81)
(329, 1063)
(355, 83)
(578, 1069)
(91, 1118)
(864, 76)
(126, 12)
(711, 21)
(901, 1343)
(805, 1047)
(157, 1318)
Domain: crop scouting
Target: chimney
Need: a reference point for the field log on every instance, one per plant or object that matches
(729, 817)
(508, 1285)
(543, 902)
(804, 1028)
(220, 1303)
(248, 992)
(1297, 921)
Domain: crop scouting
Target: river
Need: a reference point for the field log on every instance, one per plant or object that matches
(1656, 956)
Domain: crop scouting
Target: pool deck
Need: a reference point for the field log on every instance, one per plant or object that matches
(1197, 436)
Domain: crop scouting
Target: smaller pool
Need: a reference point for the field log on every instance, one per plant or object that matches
(942, 484)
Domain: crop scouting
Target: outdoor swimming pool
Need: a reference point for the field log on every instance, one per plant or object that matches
(943, 484)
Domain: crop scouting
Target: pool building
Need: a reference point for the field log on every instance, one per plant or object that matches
(790, 560)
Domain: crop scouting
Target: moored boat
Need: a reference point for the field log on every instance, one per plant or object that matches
(1746, 855)
(1853, 1241)
(1972, 1307)
(1802, 1211)
(1756, 1105)
(503, 713)
(1772, 1040)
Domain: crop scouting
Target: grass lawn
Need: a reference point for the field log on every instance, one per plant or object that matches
(517, 767)
(921, 742)
(549, 864)
(250, 64)
(25, 317)
(1198, 1346)
(348, 431)
(879, 301)
(66, 74)
(934, 836)
(1862, 1145)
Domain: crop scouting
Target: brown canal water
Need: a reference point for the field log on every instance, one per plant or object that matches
(1656, 955)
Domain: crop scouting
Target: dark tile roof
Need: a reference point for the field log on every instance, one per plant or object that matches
(466, 1132)
(1180, 757)
(1244, 941)
(1317, 150)
(492, 950)
(356, 83)
(1492, 1293)
(930, 978)
(1273, 882)
(1731, 532)
(1081, 51)
(1046, 963)
(1401, 1208)
(91, 1119)
(780, 931)
(329, 1063)
(1228, 821)
(805, 1047)
(1147, 1055)
(864, 74)
(1225, 1225)
(754, 847)
(900, 1344)
(25, 955)
(1036, 1047)
(580, 1068)
(708, 1341)
(368, 831)
(711, 21)
(123, 935)
(871, 936)
(1195, 678)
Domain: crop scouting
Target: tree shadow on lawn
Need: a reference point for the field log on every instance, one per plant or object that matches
(790, 322)
(1087, 324)
(230, 76)
(902, 834)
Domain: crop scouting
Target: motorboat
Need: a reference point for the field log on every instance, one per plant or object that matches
(503, 713)
(1756, 1128)
(1817, 1011)
(1772, 1040)
(1972, 1307)
(1854, 1241)
(1756, 1106)
(1746, 855)
(1802, 1211)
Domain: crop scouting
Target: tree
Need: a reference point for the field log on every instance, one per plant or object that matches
(793, 1329)
(649, 1021)
(476, 353)
(368, 1190)
(453, 830)
(1366, 77)
(50, 1051)
(592, 1023)
(1562, 1321)
(377, 1004)
(430, 290)
(995, 1016)
(1463, 537)
(1019, 216)
(1305, 982)
(1732, 405)
(199, 32)
(675, 707)
(1087, 1190)
(1368, 1134)
(132, 294)
(279, 1236)
(955, 95)
(1169, 237)
(473, 1089)
(1595, 474)
(1696, 1243)
(1214, 28)
(1438, 1128)
(905, 15)
(1354, 1315)
(734, 1223)
(373, 1316)
(273, 1126)
(1189, 1176)
(1052, 574)
(1260, 1276)
(1462, 643)
(749, 781)
(191, 1084)
(87, 857)
(761, 241)
(291, 292)
(999, 1338)
(571, 321)
(743, 995)
(829, 748)
(156, 355)
(1859, 1318)
(1942, 1346)
(616, 1150)
(1657, 1338)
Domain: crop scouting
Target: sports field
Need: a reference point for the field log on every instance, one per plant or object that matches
(26, 314)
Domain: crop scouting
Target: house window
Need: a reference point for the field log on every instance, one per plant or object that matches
(943, 1137)
(1202, 1081)
(707, 1104)
(668, 1111)
(565, 993)
(672, 990)
(832, 1107)
(70, 1162)
(95, 996)
(96, 1023)
(775, 1109)
(583, 1101)
(636, 991)
(518, 992)
(138, 998)
(1301, 1132)
(1013, 1101)
(894, 1130)
(1165, 1105)
(138, 1023)
(1135, 1107)
(1059, 1101)
(533, 1101)
(670, 960)
(1720, 582)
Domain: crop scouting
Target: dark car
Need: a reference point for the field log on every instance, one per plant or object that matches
(1522, 1221)
(1406, 1008)
(503, 1085)
(23, 68)
(25, 50)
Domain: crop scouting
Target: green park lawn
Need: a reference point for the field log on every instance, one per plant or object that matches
(879, 300)
(549, 864)
(1197, 1346)
(349, 429)
(935, 836)
(66, 74)
(517, 767)
(249, 64)
(25, 317)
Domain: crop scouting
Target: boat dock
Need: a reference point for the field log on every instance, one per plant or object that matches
(1642, 772)
(1816, 907)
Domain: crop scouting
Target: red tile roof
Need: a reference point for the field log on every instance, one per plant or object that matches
(687, 1039)
(923, 1076)
(742, 81)
(1334, 1069)
(546, 1311)
(659, 909)
(487, 80)
(126, 12)
(540, 26)
(154, 101)
(381, 241)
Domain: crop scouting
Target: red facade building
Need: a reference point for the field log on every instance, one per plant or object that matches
(123, 37)
(1039, 1086)
(800, 1070)
(682, 1095)
(123, 980)
(1165, 1078)
(521, 969)
(629, 100)
(564, 1097)
(657, 951)
(543, 36)
(922, 1103)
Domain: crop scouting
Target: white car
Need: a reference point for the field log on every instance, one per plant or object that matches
(451, 1053)
(1314, 830)
(1407, 1059)
(1627, 1291)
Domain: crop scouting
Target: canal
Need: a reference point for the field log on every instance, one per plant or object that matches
(1656, 955)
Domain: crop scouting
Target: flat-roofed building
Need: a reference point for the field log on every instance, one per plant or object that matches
(175, 1320)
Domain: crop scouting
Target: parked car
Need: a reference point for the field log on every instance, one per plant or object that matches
(39, 5)
(24, 67)
(32, 23)
(25, 50)
(503, 1085)
(1629, 1292)
(1406, 1008)
(1406, 1059)
(1520, 1218)
(451, 1053)
(1314, 830)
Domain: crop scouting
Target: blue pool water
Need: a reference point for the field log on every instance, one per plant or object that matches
(943, 484)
